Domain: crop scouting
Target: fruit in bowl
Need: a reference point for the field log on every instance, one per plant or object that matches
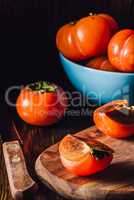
(87, 37)
(41, 103)
(101, 79)
(84, 158)
(121, 50)
(101, 63)
(99, 86)
(115, 119)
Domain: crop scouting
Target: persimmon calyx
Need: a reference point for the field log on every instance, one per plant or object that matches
(42, 86)
(125, 109)
(100, 153)
(97, 149)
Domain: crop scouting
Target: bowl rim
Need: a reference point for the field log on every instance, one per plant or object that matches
(96, 70)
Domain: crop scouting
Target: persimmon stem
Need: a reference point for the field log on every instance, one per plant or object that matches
(42, 86)
(92, 14)
(73, 22)
(99, 153)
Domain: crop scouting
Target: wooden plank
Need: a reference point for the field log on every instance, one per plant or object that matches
(114, 182)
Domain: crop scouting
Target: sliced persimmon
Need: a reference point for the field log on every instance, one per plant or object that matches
(115, 119)
(84, 158)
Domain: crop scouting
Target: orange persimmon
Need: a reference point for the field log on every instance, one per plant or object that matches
(41, 103)
(121, 50)
(113, 25)
(84, 158)
(115, 119)
(101, 63)
(87, 37)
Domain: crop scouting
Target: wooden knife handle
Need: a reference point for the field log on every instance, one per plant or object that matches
(19, 179)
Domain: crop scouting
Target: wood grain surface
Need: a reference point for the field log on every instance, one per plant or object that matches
(33, 141)
(115, 182)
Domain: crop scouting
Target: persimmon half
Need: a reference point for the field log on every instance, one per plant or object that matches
(41, 103)
(115, 119)
(101, 63)
(86, 37)
(84, 158)
(121, 50)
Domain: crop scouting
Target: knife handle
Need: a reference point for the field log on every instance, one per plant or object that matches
(19, 179)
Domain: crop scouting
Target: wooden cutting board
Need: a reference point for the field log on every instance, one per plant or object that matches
(116, 182)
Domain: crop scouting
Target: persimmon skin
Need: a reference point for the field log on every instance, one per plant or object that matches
(121, 50)
(66, 44)
(88, 166)
(41, 109)
(110, 126)
(92, 34)
(87, 37)
(113, 25)
(101, 63)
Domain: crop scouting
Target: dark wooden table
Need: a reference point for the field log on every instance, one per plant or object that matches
(34, 140)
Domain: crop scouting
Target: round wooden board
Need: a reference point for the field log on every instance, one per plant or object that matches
(116, 182)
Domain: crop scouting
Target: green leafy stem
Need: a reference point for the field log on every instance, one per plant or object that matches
(99, 153)
(43, 86)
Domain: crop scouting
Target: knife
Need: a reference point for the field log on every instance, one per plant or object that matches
(20, 182)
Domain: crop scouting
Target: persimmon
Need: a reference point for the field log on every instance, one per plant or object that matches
(121, 50)
(113, 25)
(115, 119)
(87, 37)
(101, 63)
(84, 158)
(41, 103)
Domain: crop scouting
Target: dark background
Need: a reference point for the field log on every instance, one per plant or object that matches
(28, 30)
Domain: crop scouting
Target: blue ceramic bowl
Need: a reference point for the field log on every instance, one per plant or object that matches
(99, 86)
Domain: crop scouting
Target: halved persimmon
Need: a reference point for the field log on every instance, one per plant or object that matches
(84, 158)
(115, 119)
